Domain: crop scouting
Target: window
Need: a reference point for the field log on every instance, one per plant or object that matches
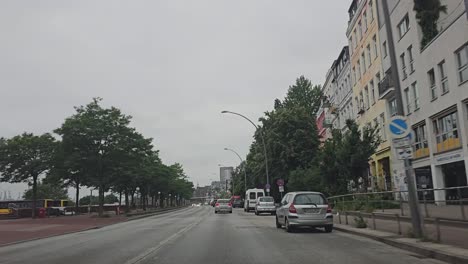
(371, 87)
(432, 84)
(403, 66)
(403, 27)
(252, 196)
(357, 104)
(393, 107)
(411, 59)
(369, 58)
(360, 30)
(414, 89)
(383, 127)
(374, 41)
(384, 48)
(462, 61)
(351, 44)
(446, 132)
(408, 101)
(364, 20)
(309, 199)
(371, 11)
(366, 97)
(363, 63)
(443, 77)
(420, 146)
(354, 39)
(361, 101)
(358, 70)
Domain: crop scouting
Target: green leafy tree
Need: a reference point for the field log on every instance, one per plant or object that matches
(24, 158)
(47, 191)
(110, 199)
(88, 199)
(303, 94)
(427, 14)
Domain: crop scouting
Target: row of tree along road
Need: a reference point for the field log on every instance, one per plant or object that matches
(296, 153)
(97, 148)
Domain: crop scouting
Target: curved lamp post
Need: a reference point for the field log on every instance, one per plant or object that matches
(241, 160)
(263, 142)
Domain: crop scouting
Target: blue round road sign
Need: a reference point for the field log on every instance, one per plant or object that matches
(398, 127)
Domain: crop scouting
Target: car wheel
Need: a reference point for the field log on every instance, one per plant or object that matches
(256, 213)
(216, 212)
(230, 212)
(287, 226)
(278, 225)
(329, 228)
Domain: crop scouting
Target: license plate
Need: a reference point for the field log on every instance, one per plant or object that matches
(311, 210)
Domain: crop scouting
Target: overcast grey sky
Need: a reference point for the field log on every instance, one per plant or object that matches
(173, 65)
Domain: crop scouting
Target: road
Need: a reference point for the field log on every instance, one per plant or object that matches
(197, 235)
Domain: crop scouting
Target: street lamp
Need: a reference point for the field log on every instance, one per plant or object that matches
(159, 199)
(263, 141)
(242, 162)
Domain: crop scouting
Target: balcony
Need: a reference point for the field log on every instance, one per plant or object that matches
(386, 87)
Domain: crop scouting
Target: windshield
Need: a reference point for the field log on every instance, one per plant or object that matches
(266, 199)
(309, 199)
(252, 196)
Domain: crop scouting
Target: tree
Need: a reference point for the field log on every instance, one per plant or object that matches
(87, 200)
(47, 191)
(427, 14)
(303, 94)
(24, 158)
(110, 199)
(95, 136)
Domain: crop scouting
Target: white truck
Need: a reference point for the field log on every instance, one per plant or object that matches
(251, 196)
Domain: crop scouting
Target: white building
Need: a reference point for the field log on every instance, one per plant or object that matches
(433, 81)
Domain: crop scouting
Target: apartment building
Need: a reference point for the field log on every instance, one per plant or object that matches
(366, 72)
(433, 83)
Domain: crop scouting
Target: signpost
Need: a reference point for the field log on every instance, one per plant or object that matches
(280, 183)
(267, 187)
(400, 133)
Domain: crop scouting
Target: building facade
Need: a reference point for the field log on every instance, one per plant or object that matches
(433, 83)
(225, 177)
(366, 73)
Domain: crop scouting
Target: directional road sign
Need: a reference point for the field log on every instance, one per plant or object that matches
(398, 127)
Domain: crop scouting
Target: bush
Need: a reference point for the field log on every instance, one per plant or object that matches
(360, 222)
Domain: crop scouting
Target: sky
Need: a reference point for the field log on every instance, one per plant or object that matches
(173, 65)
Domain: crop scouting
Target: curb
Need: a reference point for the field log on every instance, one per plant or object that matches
(435, 254)
(91, 228)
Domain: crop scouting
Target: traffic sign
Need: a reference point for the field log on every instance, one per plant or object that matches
(281, 188)
(401, 142)
(398, 127)
(405, 152)
(267, 186)
(280, 182)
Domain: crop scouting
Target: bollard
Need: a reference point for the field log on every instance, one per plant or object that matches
(373, 222)
(398, 222)
(339, 218)
(425, 204)
(437, 224)
(346, 217)
(462, 207)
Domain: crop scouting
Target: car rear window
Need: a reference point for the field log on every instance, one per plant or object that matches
(266, 199)
(310, 199)
(223, 201)
(252, 195)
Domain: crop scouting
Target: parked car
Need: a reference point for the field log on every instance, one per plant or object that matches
(223, 205)
(265, 204)
(237, 203)
(251, 196)
(298, 209)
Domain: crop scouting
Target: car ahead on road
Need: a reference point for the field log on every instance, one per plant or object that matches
(223, 205)
(237, 203)
(251, 196)
(213, 202)
(265, 204)
(299, 209)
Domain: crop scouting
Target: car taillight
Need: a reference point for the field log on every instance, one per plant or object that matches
(292, 209)
(229, 204)
(217, 204)
(329, 209)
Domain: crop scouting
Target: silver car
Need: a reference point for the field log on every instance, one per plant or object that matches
(265, 204)
(304, 209)
(223, 205)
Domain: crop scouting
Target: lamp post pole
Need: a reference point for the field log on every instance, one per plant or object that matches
(242, 162)
(263, 142)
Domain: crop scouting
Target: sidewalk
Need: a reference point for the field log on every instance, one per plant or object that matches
(17, 230)
(441, 252)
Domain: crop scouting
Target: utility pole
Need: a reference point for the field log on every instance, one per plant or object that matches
(416, 219)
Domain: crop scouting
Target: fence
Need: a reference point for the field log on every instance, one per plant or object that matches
(445, 220)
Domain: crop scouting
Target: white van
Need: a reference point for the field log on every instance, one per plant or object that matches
(251, 196)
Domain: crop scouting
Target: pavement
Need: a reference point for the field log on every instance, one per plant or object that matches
(197, 235)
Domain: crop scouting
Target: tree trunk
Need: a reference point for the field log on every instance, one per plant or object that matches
(101, 201)
(127, 207)
(120, 198)
(34, 197)
(77, 197)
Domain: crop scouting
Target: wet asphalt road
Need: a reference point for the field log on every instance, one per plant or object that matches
(197, 235)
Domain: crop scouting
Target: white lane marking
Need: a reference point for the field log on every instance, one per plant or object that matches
(154, 249)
